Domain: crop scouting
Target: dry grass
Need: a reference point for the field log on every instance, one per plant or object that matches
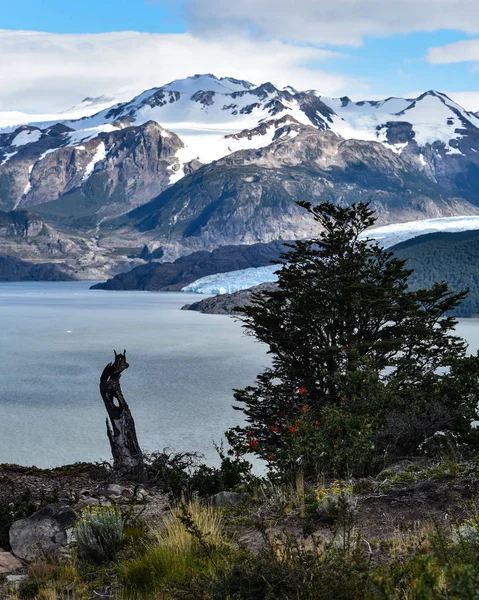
(174, 534)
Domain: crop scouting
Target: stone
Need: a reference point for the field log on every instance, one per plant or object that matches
(85, 502)
(14, 581)
(226, 499)
(9, 563)
(112, 490)
(44, 533)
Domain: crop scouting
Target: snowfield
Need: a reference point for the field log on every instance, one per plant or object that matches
(388, 235)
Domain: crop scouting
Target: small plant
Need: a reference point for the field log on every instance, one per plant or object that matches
(99, 533)
(337, 506)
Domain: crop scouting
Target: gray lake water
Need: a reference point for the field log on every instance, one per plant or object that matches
(55, 340)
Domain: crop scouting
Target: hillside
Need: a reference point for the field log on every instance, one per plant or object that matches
(451, 257)
(14, 269)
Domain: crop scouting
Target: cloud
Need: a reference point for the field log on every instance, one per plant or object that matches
(334, 22)
(48, 72)
(468, 100)
(464, 51)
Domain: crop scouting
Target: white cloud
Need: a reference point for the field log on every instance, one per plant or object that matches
(44, 71)
(468, 100)
(464, 51)
(328, 21)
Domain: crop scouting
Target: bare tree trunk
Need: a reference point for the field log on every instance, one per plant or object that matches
(127, 455)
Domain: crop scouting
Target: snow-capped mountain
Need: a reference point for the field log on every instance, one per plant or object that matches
(212, 161)
(88, 106)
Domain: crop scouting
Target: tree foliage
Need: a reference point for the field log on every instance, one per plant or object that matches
(363, 367)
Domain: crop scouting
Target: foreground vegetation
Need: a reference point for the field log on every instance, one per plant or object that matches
(340, 539)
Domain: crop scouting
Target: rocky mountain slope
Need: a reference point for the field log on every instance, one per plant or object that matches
(83, 183)
(14, 269)
(250, 196)
(24, 234)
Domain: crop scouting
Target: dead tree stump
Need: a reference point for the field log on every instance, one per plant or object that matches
(120, 426)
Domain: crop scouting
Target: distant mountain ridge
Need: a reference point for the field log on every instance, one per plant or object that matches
(204, 162)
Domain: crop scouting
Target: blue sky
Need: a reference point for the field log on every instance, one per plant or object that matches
(90, 16)
(364, 49)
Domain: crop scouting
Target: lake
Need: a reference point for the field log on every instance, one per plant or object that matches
(56, 338)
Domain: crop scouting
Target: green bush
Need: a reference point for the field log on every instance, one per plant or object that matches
(99, 533)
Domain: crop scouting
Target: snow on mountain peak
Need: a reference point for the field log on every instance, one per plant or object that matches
(207, 83)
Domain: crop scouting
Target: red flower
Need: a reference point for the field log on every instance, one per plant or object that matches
(249, 434)
(340, 428)
(316, 423)
(253, 443)
(304, 409)
(270, 458)
(302, 390)
(274, 428)
(293, 428)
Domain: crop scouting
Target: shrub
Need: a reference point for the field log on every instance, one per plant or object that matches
(183, 474)
(99, 533)
(336, 503)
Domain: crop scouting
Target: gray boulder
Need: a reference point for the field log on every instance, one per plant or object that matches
(226, 499)
(44, 533)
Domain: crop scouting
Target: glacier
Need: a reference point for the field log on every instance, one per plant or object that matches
(387, 236)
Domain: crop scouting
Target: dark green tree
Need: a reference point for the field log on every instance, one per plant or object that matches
(362, 366)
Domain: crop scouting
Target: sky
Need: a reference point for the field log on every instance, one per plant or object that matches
(54, 53)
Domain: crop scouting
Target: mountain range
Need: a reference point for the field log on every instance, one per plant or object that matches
(205, 162)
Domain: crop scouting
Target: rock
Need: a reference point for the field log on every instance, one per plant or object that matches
(225, 304)
(84, 502)
(112, 490)
(44, 533)
(14, 269)
(15, 580)
(226, 499)
(8, 563)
